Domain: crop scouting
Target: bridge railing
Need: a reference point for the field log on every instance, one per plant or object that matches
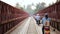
(10, 17)
(7, 25)
(55, 24)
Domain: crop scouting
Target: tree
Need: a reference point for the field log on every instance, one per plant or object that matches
(40, 6)
(58, 0)
(18, 6)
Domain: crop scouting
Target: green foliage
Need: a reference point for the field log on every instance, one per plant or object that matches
(40, 6)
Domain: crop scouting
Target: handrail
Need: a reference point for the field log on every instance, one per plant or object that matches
(6, 26)
(11, 20)
(14, 27)
(57, 20)
(55, 23)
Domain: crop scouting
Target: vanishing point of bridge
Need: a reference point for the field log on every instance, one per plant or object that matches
(17, 21)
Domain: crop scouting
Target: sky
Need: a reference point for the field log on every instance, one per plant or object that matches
(27, 2)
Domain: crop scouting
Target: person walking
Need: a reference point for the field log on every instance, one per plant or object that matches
(37, 18)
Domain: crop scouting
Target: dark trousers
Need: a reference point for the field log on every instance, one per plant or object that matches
(38, 22)
(43, 29)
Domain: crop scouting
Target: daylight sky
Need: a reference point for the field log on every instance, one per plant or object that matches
(26, 2)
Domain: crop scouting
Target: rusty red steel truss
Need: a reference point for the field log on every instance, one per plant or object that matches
(10, 16)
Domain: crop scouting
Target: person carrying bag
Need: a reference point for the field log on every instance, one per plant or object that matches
(45, 22)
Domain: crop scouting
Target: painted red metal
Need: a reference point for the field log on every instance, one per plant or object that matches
(9, 16)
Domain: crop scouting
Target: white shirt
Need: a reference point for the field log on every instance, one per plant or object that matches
(37, 17)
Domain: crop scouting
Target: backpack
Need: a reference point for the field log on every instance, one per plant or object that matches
(47, 23)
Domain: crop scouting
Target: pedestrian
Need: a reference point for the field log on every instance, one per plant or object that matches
(37, 18)
(44, 20)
